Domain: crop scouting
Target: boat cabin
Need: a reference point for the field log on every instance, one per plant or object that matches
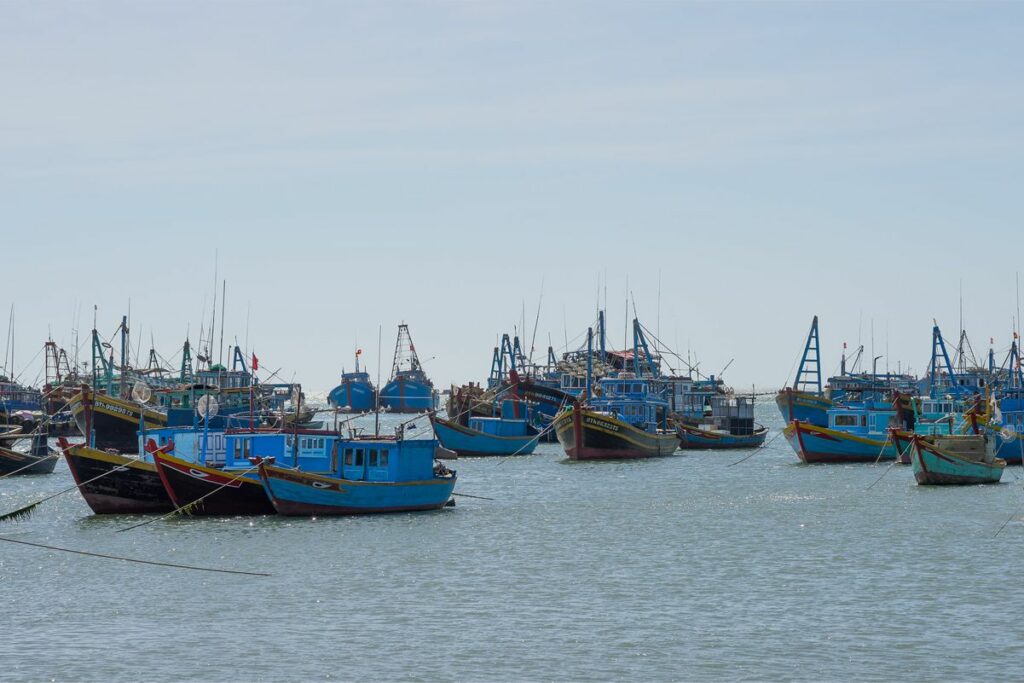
(513, 420)
(361, 459)
(731, 414)
(631, 399)
(861, 421)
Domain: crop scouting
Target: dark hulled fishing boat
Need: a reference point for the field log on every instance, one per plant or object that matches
(218, 490)
(588, 434)
(627, 418)
(116, 484)
(113, 421)
(37, 458)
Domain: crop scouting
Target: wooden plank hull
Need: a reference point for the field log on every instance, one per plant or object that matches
(469, 442)
(588, 435)
(697, 438)
(127, 485)
(815, 444)
(936, 467)
(221, 492)
(304, 494)
(25, 463)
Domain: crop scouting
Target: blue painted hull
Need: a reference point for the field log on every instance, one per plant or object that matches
(304, 494)
(935, 466)
(808, 408)
(359, 397)
(694, 437)
(814, 444)
(469, 442)
(402, 395)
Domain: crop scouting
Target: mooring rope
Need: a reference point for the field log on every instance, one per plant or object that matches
(27, 509)
(756, 450)
(188, 506)
(132, 559)
(891, 465)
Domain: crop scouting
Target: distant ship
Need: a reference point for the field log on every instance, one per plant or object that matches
(355, 394)
(409, 390)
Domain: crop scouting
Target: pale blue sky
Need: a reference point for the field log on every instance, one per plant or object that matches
(358, 164)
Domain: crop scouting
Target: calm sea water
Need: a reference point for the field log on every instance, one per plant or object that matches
(677, 568)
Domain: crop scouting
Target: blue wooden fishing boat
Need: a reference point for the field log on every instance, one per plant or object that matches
(409, 390)
(853, 434)
(360, 476)
(808, 401)
(730, 425)
(624, 417)
(355, 393)
(509, 433)
(956, 460)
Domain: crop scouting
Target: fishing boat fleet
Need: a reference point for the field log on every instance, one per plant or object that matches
(211, 438)
(960, 424)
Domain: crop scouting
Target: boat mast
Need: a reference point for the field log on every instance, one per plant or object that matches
(809, 373)
(376, 409)
(590, 363)
(939, 348)
(124, 352)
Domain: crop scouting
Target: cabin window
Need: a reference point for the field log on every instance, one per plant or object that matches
(384, 458)
(373, 457)
(638, 388)
(359, 457)
(348, 456)
(846, 420)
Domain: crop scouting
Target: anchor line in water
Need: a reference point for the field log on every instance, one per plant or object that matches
(756, 450)
(132, 559)
(888, 438)
(537, 436)
(899, 456)
(190, 506)
(466, 495)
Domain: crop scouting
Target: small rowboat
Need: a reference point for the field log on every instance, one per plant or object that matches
(955, 460)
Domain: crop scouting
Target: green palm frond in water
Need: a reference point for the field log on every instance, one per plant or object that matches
(20, 513)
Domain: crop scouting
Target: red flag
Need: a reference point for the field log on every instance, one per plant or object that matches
(255, 362)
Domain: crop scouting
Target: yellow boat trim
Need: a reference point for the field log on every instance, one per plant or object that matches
(835, 434)
(111, 458)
